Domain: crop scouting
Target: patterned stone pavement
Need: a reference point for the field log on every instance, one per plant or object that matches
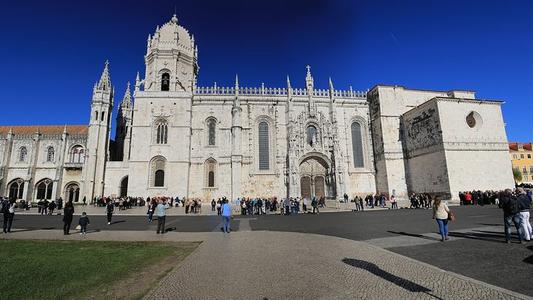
(283, 265)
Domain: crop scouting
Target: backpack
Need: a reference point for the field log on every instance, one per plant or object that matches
(514, 206)
(5, 207)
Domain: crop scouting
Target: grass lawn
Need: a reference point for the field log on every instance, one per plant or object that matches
(39, 269)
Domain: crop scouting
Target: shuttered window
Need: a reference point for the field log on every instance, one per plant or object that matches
(264, 156)
(357, 146)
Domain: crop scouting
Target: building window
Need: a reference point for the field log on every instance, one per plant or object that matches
(44, 189)
(96, 115)
(357, 145)
(521, 155)
(524, 170)
(210, 171)
(77, 154)
(311, 136)
(161, 132)
(23, 153)
(16, 189)
(50, 153)
(264, 151)
(529, 156)
(514, 156)
(211, 131)
(531, 169)
(165, 82)
(158, 171)
(102, 116)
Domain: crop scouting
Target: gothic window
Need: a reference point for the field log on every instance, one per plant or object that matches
(103, 116)
(16, 189)
(211, 130)
(210, 171)
(96, 115)
(161, 132)
(23, 153)
(44, 189)
(158, 171)
(357, 145)
(50, 153)
(165, 82)
(311, 135)
(264, 155)
(77, 154)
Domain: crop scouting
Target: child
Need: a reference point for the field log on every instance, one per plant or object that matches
(84, 221)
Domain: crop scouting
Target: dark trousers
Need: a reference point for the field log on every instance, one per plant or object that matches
(83, 229)
(315, 209)
(109, 216)
(8, 221)
(510, 220)
(66, 226)
(161, 224)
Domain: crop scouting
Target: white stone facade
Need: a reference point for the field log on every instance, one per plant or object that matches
(175, 138)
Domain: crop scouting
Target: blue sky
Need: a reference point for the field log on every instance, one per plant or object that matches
(53, 51)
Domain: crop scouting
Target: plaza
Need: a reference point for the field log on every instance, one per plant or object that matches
(333, 255)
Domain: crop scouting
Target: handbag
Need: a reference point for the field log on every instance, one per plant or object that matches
(451, 216)
(78, 227)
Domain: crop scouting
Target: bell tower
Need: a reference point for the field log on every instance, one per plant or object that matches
(98, 136)
(171, 59)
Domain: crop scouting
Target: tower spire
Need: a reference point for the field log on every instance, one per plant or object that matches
(309, 82)
(105, 80)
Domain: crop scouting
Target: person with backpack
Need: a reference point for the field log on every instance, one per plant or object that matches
(511, 214)
(68, 214)
(110, 209)
(8, 209)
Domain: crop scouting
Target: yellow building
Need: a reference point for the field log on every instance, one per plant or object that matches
(521, 157)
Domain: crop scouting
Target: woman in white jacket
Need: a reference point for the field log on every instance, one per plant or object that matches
(440, 212)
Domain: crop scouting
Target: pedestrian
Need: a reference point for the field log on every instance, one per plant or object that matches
(68, 213)
(160, 212)
(213, 204)
(83, 222)
(393, 202)
(361, 204)
(524, 204)
(314, 204)
(110, 209)
(51, 207)
(305, 203)
(511, 214)
(8, 209)
(226, 216)
(440, 212)
(151, 209)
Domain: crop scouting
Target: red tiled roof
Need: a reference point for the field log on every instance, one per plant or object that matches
(44, 129)
(515, 146)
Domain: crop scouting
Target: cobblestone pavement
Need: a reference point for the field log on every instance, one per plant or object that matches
(284, 265)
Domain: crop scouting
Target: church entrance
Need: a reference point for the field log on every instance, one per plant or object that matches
(313, 172)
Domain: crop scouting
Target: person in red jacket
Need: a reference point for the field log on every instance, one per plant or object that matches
(468, 198)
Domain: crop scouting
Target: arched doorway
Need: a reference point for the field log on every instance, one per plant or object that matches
(313, 172)
(72, 192)
(124, 187)
(16, 189)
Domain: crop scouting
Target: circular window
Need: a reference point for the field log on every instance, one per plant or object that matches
(473, 120)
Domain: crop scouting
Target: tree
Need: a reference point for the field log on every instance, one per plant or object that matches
(517, 175)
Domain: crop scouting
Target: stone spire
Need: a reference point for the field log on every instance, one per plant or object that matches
(105, 80)
(237, 101)
(331, 89)
(126, 101)
(137, 82)
(309, 82)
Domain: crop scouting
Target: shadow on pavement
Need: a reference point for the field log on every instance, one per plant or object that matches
(415, 235)
(399, 281)
(488, 236)
(529, 259)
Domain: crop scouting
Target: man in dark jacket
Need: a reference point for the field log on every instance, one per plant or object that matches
(509, 204)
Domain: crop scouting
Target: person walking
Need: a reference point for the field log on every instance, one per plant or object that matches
(314, 204)
(161, 212)
(511, 214)
(68, 214)
(393, 202)
(8, 209)
(151, 208)
(83, 222)
(110, 209)
(441, 212)
(51, 207)
(524, 204)
(226, 216)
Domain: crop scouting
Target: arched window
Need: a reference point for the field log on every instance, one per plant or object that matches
(210, 171)
(264, 151)
(357, 146)
(50, 153)
(96, 115)
(103, 116)
(158, 171)
(72, 192)
(23, 153)
(161, 132)
(124, 187)
(16, 189)
(211, 131)
(44, 189)
(311, 135)
(159, 178)
(77, 154)
(165, 82)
